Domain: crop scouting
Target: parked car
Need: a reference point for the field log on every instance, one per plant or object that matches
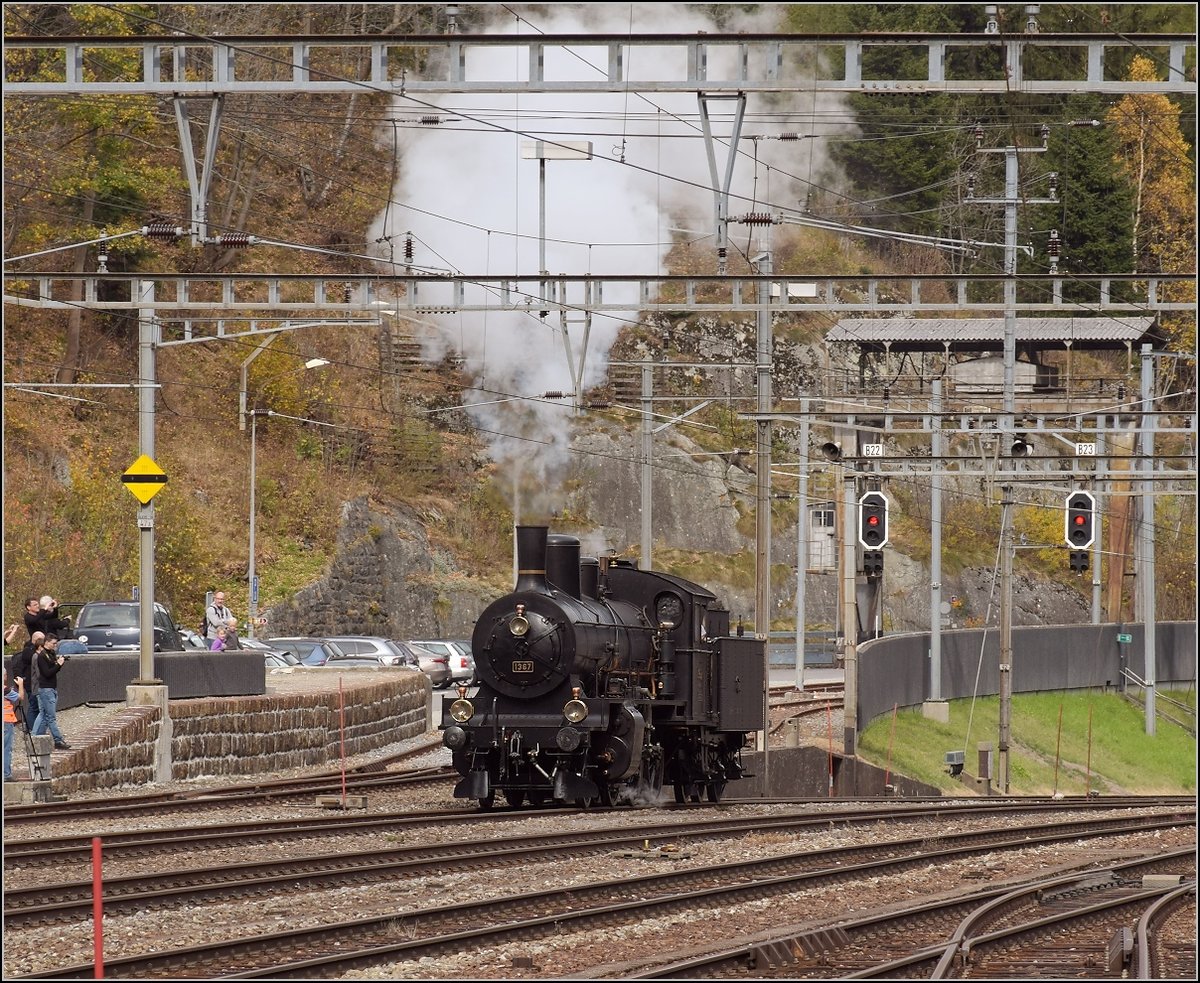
(279, 659)
(434, 665)
(193, 640)
(388, 653)
(464, 645)
(114, 626)
(273, 657)
(459, 660)
(310, 651)
(351, 662)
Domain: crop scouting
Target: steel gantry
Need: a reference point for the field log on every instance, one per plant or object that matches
(181, 64)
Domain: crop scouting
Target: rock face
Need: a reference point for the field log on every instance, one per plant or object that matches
(388, 580)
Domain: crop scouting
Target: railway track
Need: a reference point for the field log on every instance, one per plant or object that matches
(1047, 927)
(362, 778)
(328, 949)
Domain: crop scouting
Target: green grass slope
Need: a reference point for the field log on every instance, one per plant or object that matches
(1070, 743)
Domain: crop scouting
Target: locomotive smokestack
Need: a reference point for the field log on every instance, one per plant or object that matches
(562, 563)
(531, 558)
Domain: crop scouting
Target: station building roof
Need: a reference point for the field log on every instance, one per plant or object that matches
(978, 334)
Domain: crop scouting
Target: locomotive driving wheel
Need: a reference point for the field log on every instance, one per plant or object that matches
(714, 791)
(688, 791)
(515, 797)
(486, 803)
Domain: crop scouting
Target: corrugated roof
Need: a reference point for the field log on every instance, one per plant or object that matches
(989, 331)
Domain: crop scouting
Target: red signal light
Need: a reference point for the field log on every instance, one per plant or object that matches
(873, 520)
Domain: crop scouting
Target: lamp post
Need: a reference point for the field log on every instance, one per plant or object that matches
(251, 575)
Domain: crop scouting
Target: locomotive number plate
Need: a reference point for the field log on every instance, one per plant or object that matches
(522, 666)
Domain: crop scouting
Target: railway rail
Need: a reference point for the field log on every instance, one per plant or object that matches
(361, 778)
(327, 949)
(1064, 920)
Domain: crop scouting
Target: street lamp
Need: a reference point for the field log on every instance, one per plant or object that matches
(251, 576)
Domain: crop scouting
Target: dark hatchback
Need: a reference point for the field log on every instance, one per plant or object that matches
(113, 626)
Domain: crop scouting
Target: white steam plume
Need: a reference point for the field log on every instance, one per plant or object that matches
(471, 204)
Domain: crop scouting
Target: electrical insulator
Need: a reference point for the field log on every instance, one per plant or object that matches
(1054, 185)
(1045, 134)
(970, 186)
(978, 134)
(755, 218)
(554, 394)
(1031, 12)
(808, 202)
(789, 136)
(430, 120)
(408, 250)
(1121, 392)
(233, 240)
(162, 230)
(102, 263)
(1054, 250)
(993, 23)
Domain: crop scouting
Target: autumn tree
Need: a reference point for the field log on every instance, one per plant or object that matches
(1160, 167)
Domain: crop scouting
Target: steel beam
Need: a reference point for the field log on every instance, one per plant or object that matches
(719, 63)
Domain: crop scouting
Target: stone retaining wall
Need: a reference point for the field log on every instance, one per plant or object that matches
(246, 735)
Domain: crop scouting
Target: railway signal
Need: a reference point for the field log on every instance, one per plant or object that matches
(873, 520)
(1080, 530)
(873, 564)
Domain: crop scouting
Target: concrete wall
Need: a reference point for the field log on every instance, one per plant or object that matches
(101, 677)
(804, 771)
(246, 735)
(895, 669)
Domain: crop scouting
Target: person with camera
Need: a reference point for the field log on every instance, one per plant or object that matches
(46, 665)
(13, 695)
(22, 668)
(41, 614)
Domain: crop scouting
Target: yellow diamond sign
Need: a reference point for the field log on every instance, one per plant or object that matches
(144, 479)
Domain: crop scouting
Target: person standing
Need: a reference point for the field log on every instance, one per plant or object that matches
(33, 616)
(46, 666)
(41, 614)
(22, 668)
(216, 615)
(218, 642)
(13, 695)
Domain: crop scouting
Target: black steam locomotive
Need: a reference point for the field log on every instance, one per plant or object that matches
(600, 682)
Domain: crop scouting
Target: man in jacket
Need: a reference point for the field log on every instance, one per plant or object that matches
(22, 668)
(217, 615)
(46, 665)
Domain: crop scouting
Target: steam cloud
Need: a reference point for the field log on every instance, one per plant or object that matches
(471, 204)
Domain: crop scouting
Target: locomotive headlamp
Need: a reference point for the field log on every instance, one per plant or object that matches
(519, 624)
(575, 710)
(462, 710)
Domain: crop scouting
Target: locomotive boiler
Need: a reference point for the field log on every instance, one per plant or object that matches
(600, 682)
